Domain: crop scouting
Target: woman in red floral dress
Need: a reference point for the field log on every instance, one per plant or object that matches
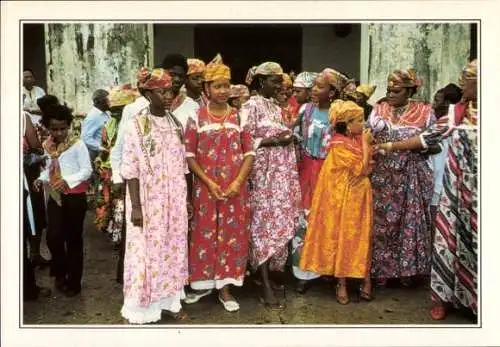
(220, 154)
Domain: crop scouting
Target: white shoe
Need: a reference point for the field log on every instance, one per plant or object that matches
(192, 298)
(230, 305)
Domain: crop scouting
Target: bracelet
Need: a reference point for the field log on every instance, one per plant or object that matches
(389, 146)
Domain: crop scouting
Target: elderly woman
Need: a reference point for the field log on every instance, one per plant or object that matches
(275, 195)
(314, 131)
(454, 254)
(402, 182)
(154, 169)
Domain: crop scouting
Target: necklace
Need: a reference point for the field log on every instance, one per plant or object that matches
(219, 119)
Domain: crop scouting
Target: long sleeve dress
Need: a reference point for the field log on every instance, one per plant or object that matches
(402, 184)
(338, 236)
(156, 255)
(275, 194)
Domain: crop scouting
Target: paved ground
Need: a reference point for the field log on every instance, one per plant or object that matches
(101, 299)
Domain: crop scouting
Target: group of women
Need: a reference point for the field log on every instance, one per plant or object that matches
(301, 170)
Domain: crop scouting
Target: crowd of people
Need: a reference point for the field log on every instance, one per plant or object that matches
(203, 184)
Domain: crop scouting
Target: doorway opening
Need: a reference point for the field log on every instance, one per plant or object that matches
(245, 45)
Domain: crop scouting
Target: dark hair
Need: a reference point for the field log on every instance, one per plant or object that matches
(28, 69)
(452, 93)
(341, 128)
(175, 59)
(99, 95)
(46, 101)
(57, 112)
(257, 81)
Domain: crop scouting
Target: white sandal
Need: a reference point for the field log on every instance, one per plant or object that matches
(230, 305)
(192, 298)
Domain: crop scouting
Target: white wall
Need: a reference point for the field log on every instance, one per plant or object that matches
(322, 48)
(173, 38)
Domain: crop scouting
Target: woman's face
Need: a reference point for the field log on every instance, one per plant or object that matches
(58, 129)
(271, 85)
(194, 82)
(219, 90)
(397, 96)
(470, 90)
(301, 94)
(321, 90)
(160, 97)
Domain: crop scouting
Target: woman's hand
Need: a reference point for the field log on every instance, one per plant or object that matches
(285, 138)
(233, 189)
(215, 190)
(37, 185)
(136, 216)
(387, 146)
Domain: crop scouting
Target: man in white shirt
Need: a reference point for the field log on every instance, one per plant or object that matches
(31, 93)
(94, 123)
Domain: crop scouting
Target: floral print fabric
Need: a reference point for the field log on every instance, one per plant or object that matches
(275, 194)
(219, 241)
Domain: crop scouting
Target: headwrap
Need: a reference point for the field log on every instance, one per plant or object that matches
(239, 90)
(468, 73)
(287, 80)
(366, 89)
(153, 79)
(195, 66)
(344, 111)
(122, 95)
(305, 79)
(350, 89)
(266, 69)
(404, 79)
(216, 70)
(334, 78)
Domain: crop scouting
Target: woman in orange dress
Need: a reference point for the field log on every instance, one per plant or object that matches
(338, 236)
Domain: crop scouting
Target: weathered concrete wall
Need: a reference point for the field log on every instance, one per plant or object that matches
(438, 52)
(84, 57)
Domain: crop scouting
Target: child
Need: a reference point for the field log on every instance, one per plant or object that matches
(66, 179)
(338, 235)
(220, 154)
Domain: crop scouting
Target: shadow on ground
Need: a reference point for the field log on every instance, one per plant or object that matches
(101, 299)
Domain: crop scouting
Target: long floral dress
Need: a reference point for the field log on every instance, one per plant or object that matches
(156, 255)
(275, 194)
(454, 254)
(314, 131)
(402, 183)
(219, 241)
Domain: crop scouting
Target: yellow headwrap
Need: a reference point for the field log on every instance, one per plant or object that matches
(344, 111)
(366, 89)
(195, 66)
(122, 95)
(469, 72)
(287, 80)
(216, 70)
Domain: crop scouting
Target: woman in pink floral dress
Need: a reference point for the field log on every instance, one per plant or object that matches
(275, 195)
(154, 168)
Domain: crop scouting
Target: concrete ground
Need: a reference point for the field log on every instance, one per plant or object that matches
(101, 299)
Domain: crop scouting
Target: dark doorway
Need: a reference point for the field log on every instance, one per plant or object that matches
(34, 51)
(245, 45)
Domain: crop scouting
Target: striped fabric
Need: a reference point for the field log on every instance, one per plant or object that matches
(454, 258)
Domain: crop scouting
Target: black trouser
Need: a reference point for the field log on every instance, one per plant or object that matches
(38, 204)
(29, 282)
(121, 254)
(65, 238)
